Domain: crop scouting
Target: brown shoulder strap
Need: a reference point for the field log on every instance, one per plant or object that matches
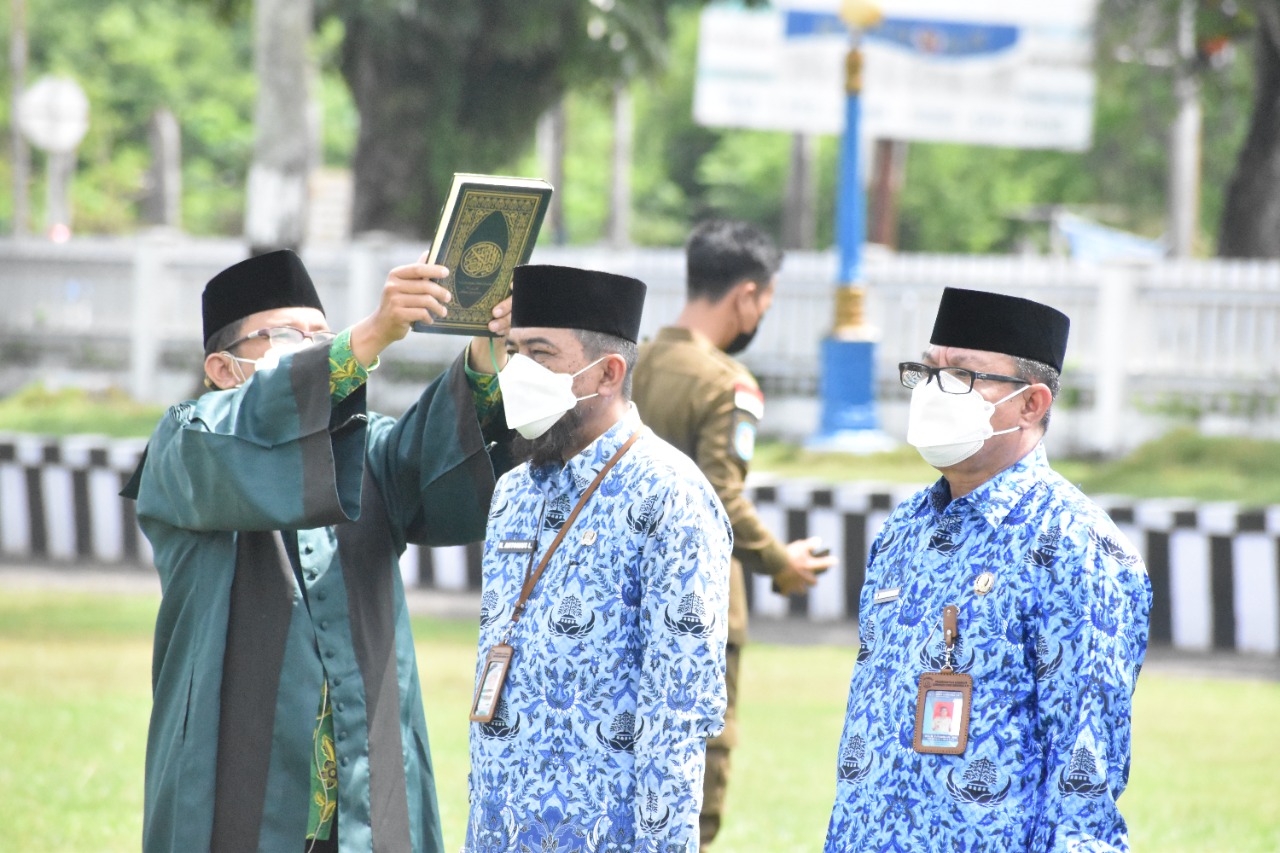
(532, 580)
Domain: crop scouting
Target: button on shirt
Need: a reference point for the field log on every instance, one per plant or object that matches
(1053, 649)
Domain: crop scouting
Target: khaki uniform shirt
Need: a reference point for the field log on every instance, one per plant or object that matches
(708, 405)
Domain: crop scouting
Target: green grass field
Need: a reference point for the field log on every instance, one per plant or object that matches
(74, 670)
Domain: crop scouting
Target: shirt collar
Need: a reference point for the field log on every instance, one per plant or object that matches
(580, 470)
(679, 334)
(997, 497)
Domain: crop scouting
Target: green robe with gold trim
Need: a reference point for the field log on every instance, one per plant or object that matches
(277, 519)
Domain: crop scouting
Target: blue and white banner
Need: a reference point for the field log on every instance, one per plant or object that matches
(992, 72)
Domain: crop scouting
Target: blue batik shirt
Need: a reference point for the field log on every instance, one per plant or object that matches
(1053, 649)
(617, 678)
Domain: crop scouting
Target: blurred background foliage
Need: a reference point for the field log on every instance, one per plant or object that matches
(195, 58)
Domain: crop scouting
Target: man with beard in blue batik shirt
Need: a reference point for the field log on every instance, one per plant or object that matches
(601, 669)
(1003, 620)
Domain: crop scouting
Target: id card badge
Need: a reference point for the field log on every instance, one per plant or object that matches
(489, 688)
(942, 703)
(942, 713)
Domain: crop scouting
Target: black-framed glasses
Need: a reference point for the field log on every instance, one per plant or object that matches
(952, 380)
(286, 336)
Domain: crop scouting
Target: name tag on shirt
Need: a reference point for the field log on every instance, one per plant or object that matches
(516, 546)
(884, 596)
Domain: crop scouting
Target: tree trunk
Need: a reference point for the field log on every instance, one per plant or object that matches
(276, 207)
(1251, 220)
(161, 205)
(620, 193)
(551, 157)
(431, 104)
(444, 87)
(18, 149)
(889, 165)
(799, 217)
(1182, 222)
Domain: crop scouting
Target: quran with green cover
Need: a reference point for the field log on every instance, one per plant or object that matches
(487, 228)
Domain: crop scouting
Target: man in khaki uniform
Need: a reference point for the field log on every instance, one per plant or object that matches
(693, 394)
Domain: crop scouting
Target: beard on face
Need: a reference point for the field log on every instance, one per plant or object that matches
(548, 448)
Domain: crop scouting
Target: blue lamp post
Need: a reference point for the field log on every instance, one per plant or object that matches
(849, 418)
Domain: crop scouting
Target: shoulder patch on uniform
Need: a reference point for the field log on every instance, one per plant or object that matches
(749, 399)
(744, 439)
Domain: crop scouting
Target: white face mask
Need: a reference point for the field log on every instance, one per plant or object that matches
(268, 360)
(534, 397)
(949, 428)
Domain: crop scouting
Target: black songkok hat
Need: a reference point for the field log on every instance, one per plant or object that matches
(569, 298)
(994, 322)
(274, 280)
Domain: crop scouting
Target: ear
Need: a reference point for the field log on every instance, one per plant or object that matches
(746, 290)
(1036, 400)
(217, 368)
(615, 373)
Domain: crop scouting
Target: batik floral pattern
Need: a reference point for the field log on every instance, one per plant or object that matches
(617, 678)
(1054, 651)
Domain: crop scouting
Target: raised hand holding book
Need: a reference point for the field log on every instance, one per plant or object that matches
(487, 228)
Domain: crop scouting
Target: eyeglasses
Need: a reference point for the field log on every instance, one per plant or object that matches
(285, 336)
(952, 380)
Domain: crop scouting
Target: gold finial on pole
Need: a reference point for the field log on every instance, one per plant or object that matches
(853, 71)
(860, 14)
(851, 317)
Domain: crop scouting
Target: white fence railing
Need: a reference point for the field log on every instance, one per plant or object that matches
(1214, 568)
(1197, 336)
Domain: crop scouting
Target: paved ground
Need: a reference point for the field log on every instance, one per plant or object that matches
(464, 605)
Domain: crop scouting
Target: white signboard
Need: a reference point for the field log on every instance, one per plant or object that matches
(54, 114)
(751, 75)
(994, 72)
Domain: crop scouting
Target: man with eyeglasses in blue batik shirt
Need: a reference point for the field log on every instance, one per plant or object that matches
(287, 713)
(1003, 620)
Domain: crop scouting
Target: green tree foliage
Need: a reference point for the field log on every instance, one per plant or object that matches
(689, 172)
(681, 172)
(443, 87)
(1250, 225)
(957, 198)
(133, 58)
(968, 198)
(964, 198)
(667, 188)
(1136, 106)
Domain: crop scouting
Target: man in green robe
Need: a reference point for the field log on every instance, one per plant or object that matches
(287, 712)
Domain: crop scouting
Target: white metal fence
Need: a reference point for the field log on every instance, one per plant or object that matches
(1197, 337)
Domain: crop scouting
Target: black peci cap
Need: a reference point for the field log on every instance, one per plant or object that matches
(570, 298)
(274, 280)
(995, 322)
